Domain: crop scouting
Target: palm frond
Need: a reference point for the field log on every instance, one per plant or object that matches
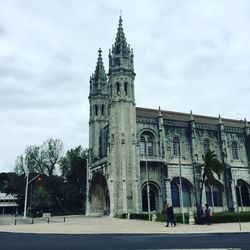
(212, 165)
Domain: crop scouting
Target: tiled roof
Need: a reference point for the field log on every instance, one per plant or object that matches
(178, 116)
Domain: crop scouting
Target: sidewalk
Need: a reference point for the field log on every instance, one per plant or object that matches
(107, 225)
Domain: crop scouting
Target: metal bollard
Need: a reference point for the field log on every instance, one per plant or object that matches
(64, 219)
(15, 221)
(48, 220)
(32, 221)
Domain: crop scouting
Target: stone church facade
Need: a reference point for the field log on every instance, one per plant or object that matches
(141, 159)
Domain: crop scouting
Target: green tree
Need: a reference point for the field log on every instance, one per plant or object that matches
(66, 192)
(41, 199)
(73, 169)
(210, 166)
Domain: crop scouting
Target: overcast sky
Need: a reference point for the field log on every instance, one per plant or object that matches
(189, 55)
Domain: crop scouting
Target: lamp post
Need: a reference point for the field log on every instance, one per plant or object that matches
(26, 191)
(196, 188)
(236, 202)
(148, 195)
(180, 180)
(212, 195)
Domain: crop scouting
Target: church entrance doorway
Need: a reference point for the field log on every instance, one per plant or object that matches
(153, 198)
(99, 202)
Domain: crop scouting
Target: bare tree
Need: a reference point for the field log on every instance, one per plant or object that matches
(42, 159)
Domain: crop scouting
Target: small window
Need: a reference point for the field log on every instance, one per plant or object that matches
(96, 110)
(206, 146)
(102, 109)
(176, 146)
(126, 88)
(118, 88)
(235, 152)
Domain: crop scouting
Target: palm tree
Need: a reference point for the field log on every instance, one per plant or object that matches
(210, 166)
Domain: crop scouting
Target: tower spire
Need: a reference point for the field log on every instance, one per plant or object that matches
(98, 80)
(99, 70)
(120, 45)
(120, 55)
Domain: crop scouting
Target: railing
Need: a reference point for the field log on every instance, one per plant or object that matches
(156, 158)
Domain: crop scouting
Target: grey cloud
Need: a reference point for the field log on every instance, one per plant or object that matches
(2, 31)
(48, 52)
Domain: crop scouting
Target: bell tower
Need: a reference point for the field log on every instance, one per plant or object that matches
(98, 102)
(123, 157)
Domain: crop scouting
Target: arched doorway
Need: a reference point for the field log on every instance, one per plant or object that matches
(99, 201)
(153, 197)
(242, 192)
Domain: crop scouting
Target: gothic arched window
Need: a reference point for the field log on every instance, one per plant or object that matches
(142, 145)
(175, 192)
(102, 109)
(175, 195)
(213, 195)
(96, 110)
(217, 196)
(126, 88)
(242, 193)
(245, 195)
(118, 88)
(186, 195)
(235, 152)
(150, 145)
(176, 146)
(206, 146)
(146, 144)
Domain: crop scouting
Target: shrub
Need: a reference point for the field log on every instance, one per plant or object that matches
(223, 217)
(226, 217)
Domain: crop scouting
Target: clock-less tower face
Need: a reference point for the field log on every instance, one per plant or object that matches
(123, 171)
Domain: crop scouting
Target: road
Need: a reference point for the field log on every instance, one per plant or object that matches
(23, 241)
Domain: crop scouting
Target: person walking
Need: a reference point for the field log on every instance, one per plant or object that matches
(170, 215)
(208, 213)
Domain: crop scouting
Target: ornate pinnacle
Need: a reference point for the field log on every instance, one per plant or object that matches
(191, 116)
(220, 120)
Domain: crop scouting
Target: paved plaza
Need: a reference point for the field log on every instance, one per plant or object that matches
(105, 225)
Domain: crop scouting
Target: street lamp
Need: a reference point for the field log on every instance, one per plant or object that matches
(180, 180)
(26, 191)
(212, 195)
(236, 202)
(148, 195)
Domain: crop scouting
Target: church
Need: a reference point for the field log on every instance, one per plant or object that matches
(141, 158)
